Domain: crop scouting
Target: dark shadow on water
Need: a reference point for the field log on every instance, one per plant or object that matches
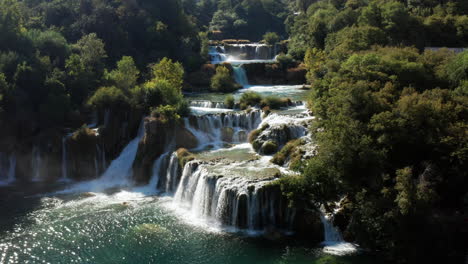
(19, 200)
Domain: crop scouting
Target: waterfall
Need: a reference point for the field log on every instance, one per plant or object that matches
(230, 201)
(207, 104)
(157, 169)
(64, 159)
(36, 164)
(120, 170)
(212, 129)
(172, 173)
(7, 169)
(217, 54)
(240, 75)
(331, 233)
(334, 242)
(242, 53)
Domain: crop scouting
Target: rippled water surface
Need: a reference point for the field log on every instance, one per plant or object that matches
(127, 227)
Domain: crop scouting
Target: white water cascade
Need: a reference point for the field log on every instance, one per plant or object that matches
(236, 54)
(230, 201)
(334, 242)
(7, 169)
(120, 170)
(211, 129)
(207, 104)
(64, 159)
(240, 76)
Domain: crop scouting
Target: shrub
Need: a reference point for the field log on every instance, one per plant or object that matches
(274, 102)
(250, 99)
(83, 134)
(107, 97)
(229, 101)
(271, 38)
(166, 114)
(269, 147)
(222, 81)
(286, 152)
(285, 60)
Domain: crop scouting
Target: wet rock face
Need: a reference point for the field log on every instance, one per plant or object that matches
(307, 225)
(274, 135)
(158, 136)
(82, 154)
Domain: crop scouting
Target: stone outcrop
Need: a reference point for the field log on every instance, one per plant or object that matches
(275, 74)
(159, 138)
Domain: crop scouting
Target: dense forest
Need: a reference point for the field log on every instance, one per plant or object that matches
(389, 89)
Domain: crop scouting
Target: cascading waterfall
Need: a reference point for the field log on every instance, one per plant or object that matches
(231, 201)
(208, 129)
(334, 242)
(242, 53)
(118, 173)
(217, 54)
(7, 169)
(240, 76)
(36, 164)
(64, 159)
(207, 104)
(120, 170)
(172, 174)
(157, 171)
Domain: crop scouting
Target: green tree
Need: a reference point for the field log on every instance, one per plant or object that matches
(126, 75)
(172, 72)
(223, 81)
(271, 38)
(11, 24)
(91, 50)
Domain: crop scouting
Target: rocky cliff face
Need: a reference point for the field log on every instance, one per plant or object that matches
(275, 73)
(159, 138)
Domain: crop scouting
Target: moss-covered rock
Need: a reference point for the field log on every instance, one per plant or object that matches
(289, 153)
(269, 147)
(184, 157)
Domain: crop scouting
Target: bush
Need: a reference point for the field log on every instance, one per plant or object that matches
(166, 114)
(274, 102)
(269, 147)
(286, 61)
(229, 101)
(222, 81)
(271, 38)
(83, 134)
(107, 97)
(250, 99)
(286, 152)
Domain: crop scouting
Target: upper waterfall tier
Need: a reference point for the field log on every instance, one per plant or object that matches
(243, 53)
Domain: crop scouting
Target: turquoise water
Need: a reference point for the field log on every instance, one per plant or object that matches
(130, 227)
